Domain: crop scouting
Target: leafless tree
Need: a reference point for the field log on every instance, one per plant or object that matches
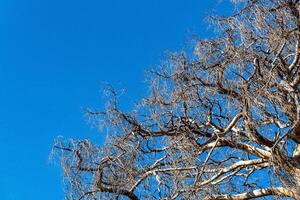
(222, 122)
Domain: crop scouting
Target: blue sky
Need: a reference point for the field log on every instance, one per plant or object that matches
(54, 58)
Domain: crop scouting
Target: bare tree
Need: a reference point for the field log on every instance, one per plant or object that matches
(222, 122)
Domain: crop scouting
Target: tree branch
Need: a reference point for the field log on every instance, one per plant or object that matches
(279, 191)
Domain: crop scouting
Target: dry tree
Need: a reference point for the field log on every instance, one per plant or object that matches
(222, 122)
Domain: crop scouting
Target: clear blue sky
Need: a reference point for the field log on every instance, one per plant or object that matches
(54, 57)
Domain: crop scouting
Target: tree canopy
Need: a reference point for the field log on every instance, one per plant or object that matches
(221, 122)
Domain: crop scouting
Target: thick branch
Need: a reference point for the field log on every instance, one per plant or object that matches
(279, 191)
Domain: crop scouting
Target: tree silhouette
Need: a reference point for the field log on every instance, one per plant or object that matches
(222, 122)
